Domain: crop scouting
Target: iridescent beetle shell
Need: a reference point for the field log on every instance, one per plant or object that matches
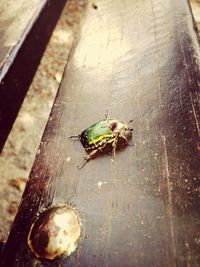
(104, 133)
(55, 232)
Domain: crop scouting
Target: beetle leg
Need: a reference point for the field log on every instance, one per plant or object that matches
(126, 140)
(114, 145)
(76, 137)
(93, 153)
(124, 137)
(87, 158)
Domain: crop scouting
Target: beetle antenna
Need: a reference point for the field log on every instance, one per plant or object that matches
(131, 129)
(107, 114)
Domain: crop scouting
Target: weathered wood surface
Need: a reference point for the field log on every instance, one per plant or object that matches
(141, 61)
(29, 25)
(16, 20)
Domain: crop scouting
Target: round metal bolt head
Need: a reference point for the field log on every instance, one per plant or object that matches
(55, 232)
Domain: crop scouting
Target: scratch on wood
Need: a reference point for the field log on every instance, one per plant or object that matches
(195, 115)
(109, 226)
(157, 70)
(180, 94)
(114, 189)
(171, 225)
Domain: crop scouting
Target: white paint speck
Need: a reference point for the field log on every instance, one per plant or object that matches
(68, 159)
(100, 183)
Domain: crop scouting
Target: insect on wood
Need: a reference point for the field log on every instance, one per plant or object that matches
(104, 135)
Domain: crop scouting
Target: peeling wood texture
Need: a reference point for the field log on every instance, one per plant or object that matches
(16, 20)
(139, 60)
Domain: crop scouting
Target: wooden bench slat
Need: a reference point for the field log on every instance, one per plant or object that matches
(141, 61)
(34, 23)
(16, 20)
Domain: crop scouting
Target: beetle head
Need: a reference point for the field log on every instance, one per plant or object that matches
(126, 133)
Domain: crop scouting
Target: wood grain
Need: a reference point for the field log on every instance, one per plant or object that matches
(139, 60)
(16, 20)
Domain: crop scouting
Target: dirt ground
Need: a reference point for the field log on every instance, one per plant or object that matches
(20, 149)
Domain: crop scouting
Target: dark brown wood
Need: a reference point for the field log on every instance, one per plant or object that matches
(30, 26)
(139, 60)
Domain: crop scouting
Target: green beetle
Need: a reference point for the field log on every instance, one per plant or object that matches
(103, 134)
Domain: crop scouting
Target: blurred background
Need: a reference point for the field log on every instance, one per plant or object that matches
(22, 144)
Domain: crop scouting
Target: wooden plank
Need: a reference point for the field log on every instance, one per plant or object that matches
(141, 61)
(17, 80)
(16, 20)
